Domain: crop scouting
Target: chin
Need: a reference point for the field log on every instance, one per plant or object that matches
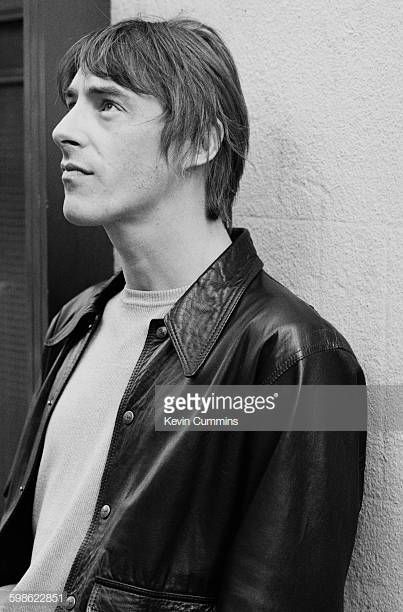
(78, 214)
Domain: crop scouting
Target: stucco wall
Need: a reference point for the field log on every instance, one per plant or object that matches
(322, 80)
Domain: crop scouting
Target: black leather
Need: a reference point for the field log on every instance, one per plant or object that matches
(203, 521)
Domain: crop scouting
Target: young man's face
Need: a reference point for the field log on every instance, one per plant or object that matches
(113, 137)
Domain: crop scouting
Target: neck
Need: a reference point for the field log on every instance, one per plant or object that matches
(171, 247)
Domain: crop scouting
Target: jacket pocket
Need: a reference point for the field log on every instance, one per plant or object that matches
(110, 596)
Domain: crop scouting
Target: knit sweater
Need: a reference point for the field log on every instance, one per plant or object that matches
(79, 434)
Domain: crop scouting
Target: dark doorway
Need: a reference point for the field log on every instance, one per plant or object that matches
(13, 281)
(44, 261)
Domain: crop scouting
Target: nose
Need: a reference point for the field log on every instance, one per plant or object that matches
(70, 130)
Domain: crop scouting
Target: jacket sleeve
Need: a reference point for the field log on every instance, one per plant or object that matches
(45, 366)
(16, 537)
(293, 546)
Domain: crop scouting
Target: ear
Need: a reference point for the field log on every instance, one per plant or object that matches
(209, 149)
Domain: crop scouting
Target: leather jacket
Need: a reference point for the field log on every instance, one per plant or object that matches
(205, 521)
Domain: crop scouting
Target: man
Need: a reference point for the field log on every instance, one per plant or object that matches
(99, 504)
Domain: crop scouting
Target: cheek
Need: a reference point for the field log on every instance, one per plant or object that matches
(140, 168)
(139, 150)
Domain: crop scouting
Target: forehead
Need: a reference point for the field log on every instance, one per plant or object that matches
(88, 85)
(86, 82)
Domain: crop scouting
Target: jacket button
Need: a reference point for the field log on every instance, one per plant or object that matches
(50, 402)
(161, 332)
(105, 511)
(128, 417)
(70, 602)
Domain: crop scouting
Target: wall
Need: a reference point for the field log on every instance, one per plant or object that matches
(321, 198)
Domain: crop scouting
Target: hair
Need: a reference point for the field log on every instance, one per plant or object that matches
(187, 67)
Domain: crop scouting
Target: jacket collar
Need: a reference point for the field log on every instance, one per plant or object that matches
(198, 317)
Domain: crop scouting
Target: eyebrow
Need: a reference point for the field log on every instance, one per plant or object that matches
(109, 90)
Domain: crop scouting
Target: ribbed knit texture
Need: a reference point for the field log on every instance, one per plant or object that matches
(79, 434)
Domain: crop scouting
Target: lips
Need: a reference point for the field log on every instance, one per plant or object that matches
(74, 168)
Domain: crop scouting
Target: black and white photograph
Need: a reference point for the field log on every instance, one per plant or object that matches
(201, 247)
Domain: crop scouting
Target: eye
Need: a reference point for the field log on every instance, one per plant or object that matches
(107, 105)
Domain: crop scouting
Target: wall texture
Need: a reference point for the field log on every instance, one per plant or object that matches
(322, 80)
